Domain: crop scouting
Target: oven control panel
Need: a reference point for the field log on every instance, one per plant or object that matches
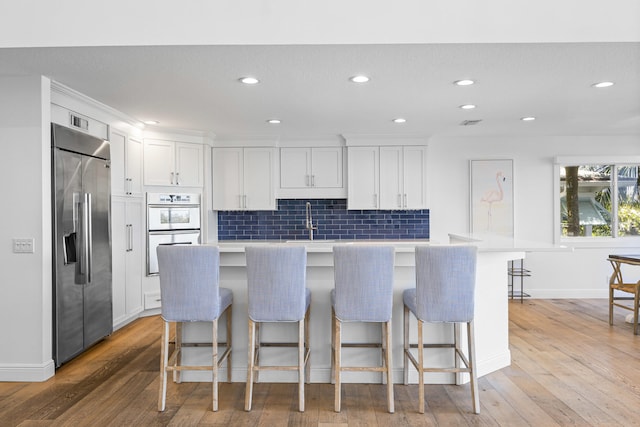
(168, 199)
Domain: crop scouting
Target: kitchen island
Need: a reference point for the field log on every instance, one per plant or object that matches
(491, 318)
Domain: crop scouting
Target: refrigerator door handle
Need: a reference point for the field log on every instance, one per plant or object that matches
(87, 248)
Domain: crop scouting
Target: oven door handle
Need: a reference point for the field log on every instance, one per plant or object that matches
(175, 243)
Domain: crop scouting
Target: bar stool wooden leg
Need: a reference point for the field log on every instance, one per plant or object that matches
(215, 365)
(337, 364)
(251, 359)
(420, 368)
(333, 346)
(389, 367)
(475, 397)
(164, 359)
(177, 375)
(229, 346)
(301, 367)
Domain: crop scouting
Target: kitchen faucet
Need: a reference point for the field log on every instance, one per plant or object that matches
(310, 225)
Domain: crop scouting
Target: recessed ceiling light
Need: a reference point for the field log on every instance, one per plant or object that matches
(528, 119)
(151, 122)
(249, 80)
(468, 106)
(274, 121)
(359, 79)
(399, 120)
(465, 82)
(602, 84)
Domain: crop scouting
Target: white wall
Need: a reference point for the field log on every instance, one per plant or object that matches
(582, 273)
(25, 288)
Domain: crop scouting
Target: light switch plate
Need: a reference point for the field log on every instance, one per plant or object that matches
(23, 246)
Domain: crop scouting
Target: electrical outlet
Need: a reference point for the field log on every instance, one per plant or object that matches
(23, 246)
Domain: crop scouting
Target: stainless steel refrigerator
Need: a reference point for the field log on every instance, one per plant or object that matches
(82, 304)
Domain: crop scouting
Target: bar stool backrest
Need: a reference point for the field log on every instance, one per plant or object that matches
(189, 282)
(363, 282)
(276, 279)
(445, 283)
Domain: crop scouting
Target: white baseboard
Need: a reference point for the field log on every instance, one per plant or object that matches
(23, 372)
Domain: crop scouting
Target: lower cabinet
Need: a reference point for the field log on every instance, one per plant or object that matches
(127, 242)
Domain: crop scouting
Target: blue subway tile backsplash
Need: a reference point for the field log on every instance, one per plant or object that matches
(331, 217)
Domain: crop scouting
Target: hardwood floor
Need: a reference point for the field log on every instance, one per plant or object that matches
(568, 368)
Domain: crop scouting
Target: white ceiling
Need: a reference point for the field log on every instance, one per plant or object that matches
(307, 87)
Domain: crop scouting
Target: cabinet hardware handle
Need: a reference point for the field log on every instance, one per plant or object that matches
(129, 238)
(313, 180)
(177, 178)
(399, 200)
(306, 181)
(171, 178)
(244, 197)
(405, 200)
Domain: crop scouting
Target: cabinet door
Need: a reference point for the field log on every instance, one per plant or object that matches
(119, 239)
(228, 191)
(259, 188)
(391, 193)
(117, 141)
(133, 166)
(326, 167)
(134, 256)
(295, 167)
(189, 165)
(127, 248)
(363, 177)
(159, 162)
(415, 177)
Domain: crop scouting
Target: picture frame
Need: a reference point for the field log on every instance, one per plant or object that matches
(491, 197)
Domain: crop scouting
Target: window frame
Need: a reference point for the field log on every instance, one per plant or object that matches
(616, 162)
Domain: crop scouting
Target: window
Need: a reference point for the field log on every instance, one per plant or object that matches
(598, 199)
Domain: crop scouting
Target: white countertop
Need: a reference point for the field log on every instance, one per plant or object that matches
(484, 244)
(319, 245)
(494, 243)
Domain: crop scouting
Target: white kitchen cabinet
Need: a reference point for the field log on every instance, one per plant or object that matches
(316, 167)
(387, 177)
(243, 178)
(403, 177)
(127, 242)
(363, 177)
(126, 164)
(173, 163)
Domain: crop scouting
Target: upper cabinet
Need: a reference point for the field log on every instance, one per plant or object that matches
(318, 171)
(243, 178)
(126, 164)
(387, 177)
(363, 177)
(403, 177)
(173, 163)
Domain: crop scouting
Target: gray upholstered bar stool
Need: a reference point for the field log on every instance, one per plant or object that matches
(363, 293)
(276, 278)
(190, 292)
(444, 292)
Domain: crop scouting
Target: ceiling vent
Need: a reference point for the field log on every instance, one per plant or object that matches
(470, 122)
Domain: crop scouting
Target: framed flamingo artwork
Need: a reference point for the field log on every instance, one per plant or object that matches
(491, 197)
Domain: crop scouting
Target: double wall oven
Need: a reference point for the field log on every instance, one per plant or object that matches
(172, 219)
